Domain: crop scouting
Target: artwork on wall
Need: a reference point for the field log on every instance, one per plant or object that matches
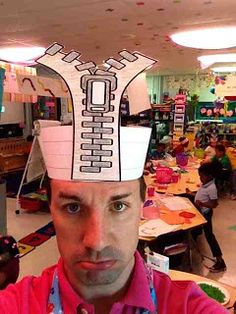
(218, 110)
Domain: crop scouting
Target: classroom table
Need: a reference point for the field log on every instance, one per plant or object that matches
(179, 275)
(189, 179)
(187, 225)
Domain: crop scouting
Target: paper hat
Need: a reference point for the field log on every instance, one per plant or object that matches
(96, 147)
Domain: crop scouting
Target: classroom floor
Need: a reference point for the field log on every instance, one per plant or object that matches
(47, 254)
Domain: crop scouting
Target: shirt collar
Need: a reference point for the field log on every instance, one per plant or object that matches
(70, 299)
(208, 183)
(138, 294)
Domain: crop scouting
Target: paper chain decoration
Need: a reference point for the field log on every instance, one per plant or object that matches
(96, 96)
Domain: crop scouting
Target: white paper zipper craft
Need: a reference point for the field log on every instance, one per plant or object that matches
(96, 147)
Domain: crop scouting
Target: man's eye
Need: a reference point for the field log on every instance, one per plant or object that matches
(73, 208)
(119, 206)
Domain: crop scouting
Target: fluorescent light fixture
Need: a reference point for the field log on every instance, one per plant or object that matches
(2, 109)
(224, 69)
(208, 60)
(208, 38)
(25, 55)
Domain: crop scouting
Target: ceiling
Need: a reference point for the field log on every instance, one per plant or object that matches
(100, 28)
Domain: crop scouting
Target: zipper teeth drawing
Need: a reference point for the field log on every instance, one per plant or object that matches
(96, 96)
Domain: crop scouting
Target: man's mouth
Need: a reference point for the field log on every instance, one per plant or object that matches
(97, 265)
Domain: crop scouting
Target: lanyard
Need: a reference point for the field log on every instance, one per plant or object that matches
(55, 306)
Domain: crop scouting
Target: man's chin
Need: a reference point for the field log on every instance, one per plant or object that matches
(98, 277)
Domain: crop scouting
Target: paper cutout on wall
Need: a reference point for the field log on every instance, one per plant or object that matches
(11, 90)
(42, 86)
(96, 95)
(192, 83)
(218, 110)
(228, 88)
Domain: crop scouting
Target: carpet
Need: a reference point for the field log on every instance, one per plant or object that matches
(34, 239)
(47, 230)
(24, 249)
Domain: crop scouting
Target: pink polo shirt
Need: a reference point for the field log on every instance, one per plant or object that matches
(30, 295)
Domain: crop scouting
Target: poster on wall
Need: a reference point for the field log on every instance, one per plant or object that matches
(225, 85)
(219, 110)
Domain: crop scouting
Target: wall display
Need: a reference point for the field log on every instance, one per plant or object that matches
(11, 88)
(45, 108)
(225, 85)
(43, 86)
(224, 111)
(191, 83)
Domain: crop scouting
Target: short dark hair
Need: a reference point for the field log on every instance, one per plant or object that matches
(220, 148)
(142, 187)
(210, 168)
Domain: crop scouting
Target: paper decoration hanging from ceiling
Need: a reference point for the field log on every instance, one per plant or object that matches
(96, 148)
(42, 86)
(11, 90)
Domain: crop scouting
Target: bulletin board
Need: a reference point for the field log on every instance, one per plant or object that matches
(226, 113)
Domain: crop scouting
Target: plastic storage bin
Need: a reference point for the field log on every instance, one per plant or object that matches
(164, 175)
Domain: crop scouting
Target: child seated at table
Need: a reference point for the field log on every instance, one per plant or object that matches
(180, 148)
(206, 200)
(160, 151)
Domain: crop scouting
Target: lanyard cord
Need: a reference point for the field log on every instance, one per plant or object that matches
(55, 306)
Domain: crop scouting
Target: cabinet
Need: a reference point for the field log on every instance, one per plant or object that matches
(162, 120)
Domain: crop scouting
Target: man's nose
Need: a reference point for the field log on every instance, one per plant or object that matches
(95, 232)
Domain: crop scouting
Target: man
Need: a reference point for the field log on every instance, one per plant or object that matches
(99, 270)
(95, 204)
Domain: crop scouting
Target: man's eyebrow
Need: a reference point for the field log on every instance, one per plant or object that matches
(119, 197)
(68, 196)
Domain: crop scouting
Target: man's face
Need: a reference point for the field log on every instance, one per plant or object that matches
(97, 228)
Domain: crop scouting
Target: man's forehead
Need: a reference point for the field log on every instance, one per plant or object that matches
(102, 185)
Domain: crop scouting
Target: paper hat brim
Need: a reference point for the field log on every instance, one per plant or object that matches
(57, 148)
